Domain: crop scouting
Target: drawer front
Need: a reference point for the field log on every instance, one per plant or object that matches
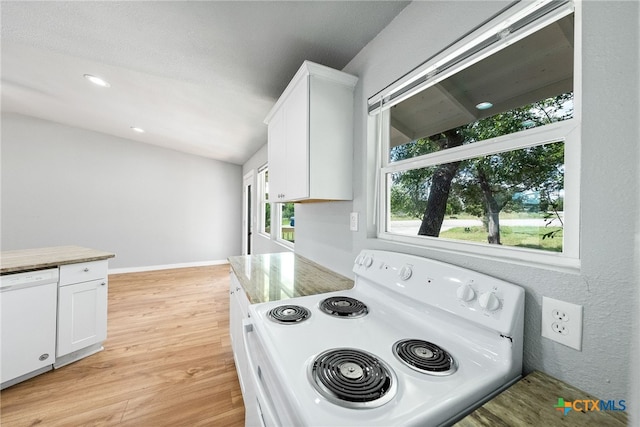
(83, 272)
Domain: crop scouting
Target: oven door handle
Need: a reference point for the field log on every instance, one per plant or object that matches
(267, 416)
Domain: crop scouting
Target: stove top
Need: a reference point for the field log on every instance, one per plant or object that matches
(417, 351)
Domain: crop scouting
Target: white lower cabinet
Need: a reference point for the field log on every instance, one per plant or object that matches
(239, 310)
(82, 306)
(82, 316)
(51, 317)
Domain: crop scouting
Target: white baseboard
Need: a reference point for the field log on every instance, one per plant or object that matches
(166, 266)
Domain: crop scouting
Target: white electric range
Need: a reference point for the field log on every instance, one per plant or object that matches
(414, 342)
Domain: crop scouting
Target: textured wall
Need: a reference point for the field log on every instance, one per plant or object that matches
(149, 205)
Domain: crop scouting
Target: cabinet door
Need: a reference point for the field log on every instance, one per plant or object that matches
(235, 319)
(82, 315)
(237, 311)
(277, 153)
(296, 120)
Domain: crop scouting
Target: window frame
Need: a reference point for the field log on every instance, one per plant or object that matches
(263, 201)
(278, 228)
(567, 131)
(275, 233)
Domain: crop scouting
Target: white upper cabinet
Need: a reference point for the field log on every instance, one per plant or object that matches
(310, 132)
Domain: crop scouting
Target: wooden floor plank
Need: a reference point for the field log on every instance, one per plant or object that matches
(167, 360)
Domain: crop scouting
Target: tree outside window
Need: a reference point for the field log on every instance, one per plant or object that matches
(522, 186)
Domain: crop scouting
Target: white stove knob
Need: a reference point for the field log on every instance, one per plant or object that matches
(358, 260)
(405, 272)
(466, 293)
(489, 301)
(368, 261)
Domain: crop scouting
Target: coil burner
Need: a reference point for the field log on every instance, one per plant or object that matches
(342, 306)
(288, 314)
(352, 378)
(425, 357)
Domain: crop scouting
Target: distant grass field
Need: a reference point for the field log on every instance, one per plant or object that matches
(524, 237)
(463, 215)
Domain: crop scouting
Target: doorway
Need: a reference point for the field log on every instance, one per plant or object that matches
(247, 213)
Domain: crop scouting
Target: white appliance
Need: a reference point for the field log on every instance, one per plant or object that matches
(28, 330)
(416, 342)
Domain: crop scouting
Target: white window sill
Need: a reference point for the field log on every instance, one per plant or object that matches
(531, 258)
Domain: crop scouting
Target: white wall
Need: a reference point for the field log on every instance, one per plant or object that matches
(606, 285)
(151, 206)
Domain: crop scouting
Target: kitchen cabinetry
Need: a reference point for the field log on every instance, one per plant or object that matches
(82, 309)
(54, 308)
(310, 137)
(239, 311)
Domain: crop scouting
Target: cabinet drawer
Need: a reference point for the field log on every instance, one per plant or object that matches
(83, 272)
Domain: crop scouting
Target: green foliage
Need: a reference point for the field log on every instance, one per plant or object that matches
(524, 237)
(287, 211)
(410, 192)
(415, 148)
(512, 179)
(267, 217)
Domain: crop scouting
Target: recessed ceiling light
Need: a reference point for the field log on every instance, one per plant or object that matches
(137, 129)
(484, 105)
(97, 80)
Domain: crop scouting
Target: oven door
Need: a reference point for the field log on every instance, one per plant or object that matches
(266, 406)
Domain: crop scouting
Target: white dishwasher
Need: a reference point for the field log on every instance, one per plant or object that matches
(28, 303)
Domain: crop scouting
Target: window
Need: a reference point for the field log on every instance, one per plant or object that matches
(283, 213)
(480, 148)
(264, 207)
(287, 222)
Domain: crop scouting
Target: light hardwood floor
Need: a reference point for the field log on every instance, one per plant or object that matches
(167, 360)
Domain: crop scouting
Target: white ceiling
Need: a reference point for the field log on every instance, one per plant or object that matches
(198, 76)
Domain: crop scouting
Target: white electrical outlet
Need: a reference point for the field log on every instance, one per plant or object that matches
(562, 322)
(353, 221)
